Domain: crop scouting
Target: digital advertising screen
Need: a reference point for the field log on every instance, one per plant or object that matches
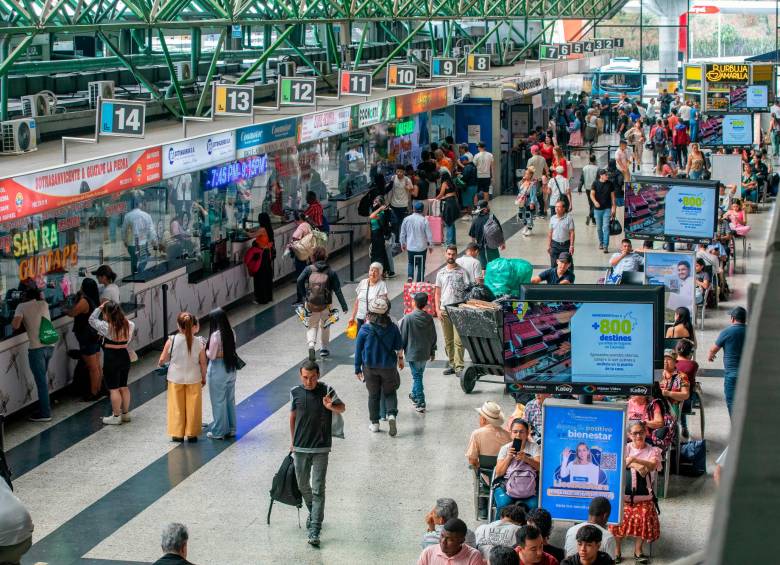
(671, 209)
(674, 271)
(582, 458)
(749, 97)
(578, 347)
(726, 130)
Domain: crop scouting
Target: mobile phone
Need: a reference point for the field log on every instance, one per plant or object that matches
(517, 444)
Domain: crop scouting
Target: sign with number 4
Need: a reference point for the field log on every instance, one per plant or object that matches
(122, 118)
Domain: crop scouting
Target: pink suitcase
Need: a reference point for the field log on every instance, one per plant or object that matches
(436, 224)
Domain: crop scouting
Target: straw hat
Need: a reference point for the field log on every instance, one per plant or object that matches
(491, 412)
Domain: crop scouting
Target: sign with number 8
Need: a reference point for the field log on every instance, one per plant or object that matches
(478, 63)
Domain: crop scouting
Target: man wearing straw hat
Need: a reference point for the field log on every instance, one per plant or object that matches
(490, 436)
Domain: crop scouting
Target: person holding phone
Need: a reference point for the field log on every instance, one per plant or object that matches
(518, 462)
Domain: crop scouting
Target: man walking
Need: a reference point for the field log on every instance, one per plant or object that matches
(485, 168)
(416, 239)
(604, 206)
(400, 195)
(590, 173)
(451, 283)
(486, 231)
(732, 341)
(418, 334)
(312, 405)
(560, 238)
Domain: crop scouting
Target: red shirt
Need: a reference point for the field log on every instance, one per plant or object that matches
(547, 559)
(690, 368)
(563, 163)
(315, 214)
(547, 153)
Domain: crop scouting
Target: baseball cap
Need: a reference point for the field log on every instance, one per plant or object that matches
(565, 256)
(418, 206)
(739, 314)
(603, 172)
(464, 158)
(670, 353)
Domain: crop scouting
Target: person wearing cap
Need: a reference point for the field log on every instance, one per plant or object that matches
(417, 240)
(106, 277)
(675, 386)
(490, 436)
(562, 273)
(378, 356)
(560, 189)
(604, 199)
(451, 283)
(509, 460)
(451, 549)
(463, 151)
(485, 168)
(622, 160)
(560, 237)
(469, 177)
(477, 234)
(418, 334)
(731, 340)
(400, 196)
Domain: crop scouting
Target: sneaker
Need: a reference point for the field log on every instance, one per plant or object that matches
(176, 439)
(112, 420)
(420, 407)
(408, 280)
(231, 433)
(212, 436)
(449, 371)
(383, 418)
(39, 418)
(324, 352)
(412, 399)
(372, 427)
(606, 249)
(333, 317)
(192, 439)
(314, 539)
(308, 523)
(587, 221)
(311, 354)
(393, 428)
(126, 417)
(391, 275)
(601, 246)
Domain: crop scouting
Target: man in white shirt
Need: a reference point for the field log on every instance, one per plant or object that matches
(598, 515)
(451, 283)
(622, 160)
(484, 163)
(559, 188)
(416, 239)
(560, 238)
(685, 292)
(138, 231)
(684, 112)
(470, 263)
(399, 200)
(16, 526)
(501, 532)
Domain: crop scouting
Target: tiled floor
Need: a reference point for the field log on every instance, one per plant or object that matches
(102, 495)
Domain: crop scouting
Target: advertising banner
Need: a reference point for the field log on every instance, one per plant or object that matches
(675, 271)
(689, 211)
(371, 113)
(324, 124)
(53, 188)
(418, 102)
(198, 153)
(720, 76)
(582, 458)
(737, 129)
(266, 138)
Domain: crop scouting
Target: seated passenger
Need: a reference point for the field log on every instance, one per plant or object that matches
(445, 510)
(501, 532)
(502, 555)
(589, 539)
(542, 519)
(490, 436)
(451, 549)
(562, 273)
(674, 385)
(627, 259)
(655, 413)
(518, 463)
(174, 545)
(530, 548)
(598, 515)
(702, 280)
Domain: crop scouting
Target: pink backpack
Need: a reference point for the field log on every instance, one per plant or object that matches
(521, 481)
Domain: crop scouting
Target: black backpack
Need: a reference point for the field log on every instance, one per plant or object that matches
(284, 487)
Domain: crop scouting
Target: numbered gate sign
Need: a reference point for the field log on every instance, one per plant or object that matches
(588, 46)
(401, 76)
(565, 49)
(477, 63)
(355, 83)
(297, 91)
(609, 44)
(444, 67)
(230, 100)
(599, 44)
(122, 118)
(577, 47)
(618, 42)
(548, 52)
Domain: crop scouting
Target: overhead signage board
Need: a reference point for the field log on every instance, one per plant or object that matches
(600, 44)
(370, 113)
(577, 47)
(444, 67)
(422, 101)
(401, 76)
(478, 63)
(588, 46)
(618, 42)
(529, 85)
(122, 118)
(297, 91)
(583, 450)
(609, 43)
(458, 93)
(266, 138)
(198, 153)
(232, 100)
(548, 52)
(324, 124)
(355, 83)
(565, 49)
(53, 188)
(235, 171)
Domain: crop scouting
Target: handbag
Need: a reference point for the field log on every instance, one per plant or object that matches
(614, 227)
(337, 421)
(240, 363)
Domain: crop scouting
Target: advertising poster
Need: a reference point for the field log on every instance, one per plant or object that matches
(324, 124)
(645, 209)
(370, 113)
(418, 102)
(197, 153)
(53, 188)
(579, 347)
(266, 138)
(737, 129)
(752, 97)
(582, 458)
(690, 211)
(674, 271)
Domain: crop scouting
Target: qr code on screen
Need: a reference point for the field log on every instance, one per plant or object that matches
(608, 461)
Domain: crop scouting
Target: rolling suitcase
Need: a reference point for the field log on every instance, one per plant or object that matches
(436, 224)
(412, 288)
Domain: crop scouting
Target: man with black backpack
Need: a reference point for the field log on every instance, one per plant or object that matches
(486, 231)
(312, 405)
(317, 283)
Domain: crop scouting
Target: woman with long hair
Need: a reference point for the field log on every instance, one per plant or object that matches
(450, 209)
(116, 331)
(87, 299)
(559, 160)
(263, 277)
(696, 164)
(581, 469)
(683, 325)
(186, 357)
(221, 375)
(379, 221)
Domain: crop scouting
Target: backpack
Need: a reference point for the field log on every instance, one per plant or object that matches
(693, 458)
(318, 295)
(492, 234)
(522, 480)
(637, 485)
(284, 487)
(253, 258)
(47, 335)
(659, 136)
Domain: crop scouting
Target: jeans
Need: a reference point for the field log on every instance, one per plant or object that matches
(400, 214)
(486, 255)
(39, 364)
(730, 389)
(381, 382)
(602, 225)
(501, 498)
(775, 143)
(556, 248)
(222, 390)
(310, 471)
(449, 234)
(526, 215)
(418, 393)
(413, 255)
(694, 175)
(453, 347)
(694, 131)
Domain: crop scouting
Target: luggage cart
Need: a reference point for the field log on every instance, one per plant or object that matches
(482, 333)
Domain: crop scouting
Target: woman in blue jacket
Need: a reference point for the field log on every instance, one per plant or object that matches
(378, 356)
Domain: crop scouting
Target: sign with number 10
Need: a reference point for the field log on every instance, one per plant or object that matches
(401, 76)
(297, 91)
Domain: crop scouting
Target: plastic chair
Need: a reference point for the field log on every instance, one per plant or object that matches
(483, 479)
